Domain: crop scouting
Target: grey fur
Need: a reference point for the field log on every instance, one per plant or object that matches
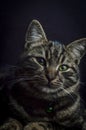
(45, 85)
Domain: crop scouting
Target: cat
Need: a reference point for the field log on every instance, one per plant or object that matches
(42, 91)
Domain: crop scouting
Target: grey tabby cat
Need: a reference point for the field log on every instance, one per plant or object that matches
(42, 91)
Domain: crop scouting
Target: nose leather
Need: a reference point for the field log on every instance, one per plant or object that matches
(51, 73)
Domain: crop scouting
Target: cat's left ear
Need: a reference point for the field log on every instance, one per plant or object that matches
(77, 49)
(35, 34)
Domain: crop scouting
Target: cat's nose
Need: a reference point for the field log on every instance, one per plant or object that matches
(51, 73)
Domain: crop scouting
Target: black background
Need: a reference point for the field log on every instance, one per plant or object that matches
(64, 21)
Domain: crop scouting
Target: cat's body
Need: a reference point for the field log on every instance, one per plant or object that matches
(42, 92)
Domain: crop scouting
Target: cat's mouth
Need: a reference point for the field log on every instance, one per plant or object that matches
(48, 88)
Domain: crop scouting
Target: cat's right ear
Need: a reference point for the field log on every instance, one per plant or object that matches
(77, 49)
(35, 34)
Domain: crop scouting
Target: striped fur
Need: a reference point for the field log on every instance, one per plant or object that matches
(47, 75)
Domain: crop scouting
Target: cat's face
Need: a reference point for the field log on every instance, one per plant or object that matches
(52, 67)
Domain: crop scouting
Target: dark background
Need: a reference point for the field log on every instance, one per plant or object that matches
(64, 21)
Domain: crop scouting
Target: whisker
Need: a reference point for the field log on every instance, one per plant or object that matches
(82, 83)
(82, 101)
(68, 93)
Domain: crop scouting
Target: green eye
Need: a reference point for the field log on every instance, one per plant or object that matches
(41, 61)
(63, 67)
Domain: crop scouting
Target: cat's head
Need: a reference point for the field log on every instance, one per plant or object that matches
(51, 66)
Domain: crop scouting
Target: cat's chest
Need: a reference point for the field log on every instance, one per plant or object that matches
(40, 109)
(45, 110)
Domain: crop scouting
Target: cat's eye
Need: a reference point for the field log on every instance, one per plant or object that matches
(41, 61)
(63, 67)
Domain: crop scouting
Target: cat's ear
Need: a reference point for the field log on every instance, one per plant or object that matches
(35, 34)
(77, 49)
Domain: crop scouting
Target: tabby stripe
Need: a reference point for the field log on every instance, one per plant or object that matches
(67, 91)
(68, 111)
(70, 82)
(47, 55)
(74, 69)
(72, 79)
(65, 102)
(62, 59)
(60, 54)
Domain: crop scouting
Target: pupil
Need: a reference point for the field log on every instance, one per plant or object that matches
(63, 67)
(41, 61)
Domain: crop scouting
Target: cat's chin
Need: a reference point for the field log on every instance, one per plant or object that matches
(47, 89)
